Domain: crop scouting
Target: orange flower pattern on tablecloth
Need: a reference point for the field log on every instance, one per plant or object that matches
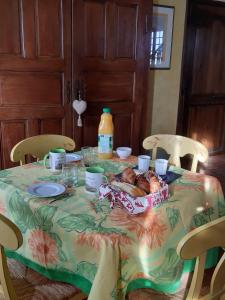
(148, 227)
(43, 247)
(197, 182)
(94, 240)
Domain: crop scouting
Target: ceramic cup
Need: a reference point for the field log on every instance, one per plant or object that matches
(161, 166)
(57, 157)
(94, 178)
(143, 163)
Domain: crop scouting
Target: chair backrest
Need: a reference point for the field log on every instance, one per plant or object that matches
(177, 146)
(10, 238)
(195, 245)
(39, 145)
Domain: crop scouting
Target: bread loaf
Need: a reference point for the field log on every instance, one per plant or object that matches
(129, 188)
(129, 176)
(154, 185)
(143, 184)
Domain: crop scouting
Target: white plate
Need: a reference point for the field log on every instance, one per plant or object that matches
(72, 157)
(46, 189)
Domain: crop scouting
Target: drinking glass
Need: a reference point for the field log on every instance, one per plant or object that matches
(88, 156)
(69, 175)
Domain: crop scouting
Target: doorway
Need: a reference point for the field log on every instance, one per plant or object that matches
(202, 102)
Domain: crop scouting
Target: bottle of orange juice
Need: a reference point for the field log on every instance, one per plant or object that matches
(105, 135)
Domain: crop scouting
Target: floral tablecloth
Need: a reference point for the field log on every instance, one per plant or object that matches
(105, 252)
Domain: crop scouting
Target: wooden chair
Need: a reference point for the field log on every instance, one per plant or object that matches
(205, 284)
(177, 146)
(195, 244)
(39, 145)
(11, 238)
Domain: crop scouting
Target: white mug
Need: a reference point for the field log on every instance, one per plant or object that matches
(143, 163)
(57, 157)
(161, 166)
(94, 178)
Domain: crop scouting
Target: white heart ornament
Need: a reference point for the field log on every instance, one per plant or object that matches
(79, 106)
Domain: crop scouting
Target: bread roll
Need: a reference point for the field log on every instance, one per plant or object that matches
(143, 184)
(129, 176)
(129, 188)
(154, 184)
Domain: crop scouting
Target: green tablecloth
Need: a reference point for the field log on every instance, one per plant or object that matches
(105, 252)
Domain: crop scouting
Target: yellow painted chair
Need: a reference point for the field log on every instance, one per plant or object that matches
(20, 282)
(204, 284)
(39, 145)
(177, 146)
(195, 244)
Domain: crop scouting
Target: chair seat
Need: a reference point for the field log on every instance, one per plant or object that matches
(30, 285)
(149, 294)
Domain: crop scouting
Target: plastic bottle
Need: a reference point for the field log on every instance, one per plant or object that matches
(105, 135)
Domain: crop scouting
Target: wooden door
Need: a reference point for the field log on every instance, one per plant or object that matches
(35, 70)
(202, 109)
(110, 52)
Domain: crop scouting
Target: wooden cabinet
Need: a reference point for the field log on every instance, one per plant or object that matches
(48, 46)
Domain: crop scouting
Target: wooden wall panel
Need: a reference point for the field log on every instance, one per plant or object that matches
(44, 89)
(51, 126)
(94, 17)
(126, 31)
(10, 42)
(12, 133)
(209, 52)
(49, 27)
(122, 122)
(90, 132)
(200, 63)
(212, 123)
(109, 86)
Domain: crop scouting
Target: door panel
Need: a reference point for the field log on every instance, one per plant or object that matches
(53, 126)
(208, 71)
(94, 18)
(109, 86)
(10, 33)
(122, 122)
(113, 66)
(49, 15)
(126, 22)
(35, 70)
(12, 133)
(211, 133)
(44, 89)
(204, 75)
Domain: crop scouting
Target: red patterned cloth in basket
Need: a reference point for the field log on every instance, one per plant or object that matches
(134, 205)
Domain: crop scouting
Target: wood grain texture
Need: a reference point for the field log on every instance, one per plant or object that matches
(35, 69)
(202, 102)
(113, 69)
(10, 24)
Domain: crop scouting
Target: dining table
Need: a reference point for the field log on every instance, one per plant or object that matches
(107, 252)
